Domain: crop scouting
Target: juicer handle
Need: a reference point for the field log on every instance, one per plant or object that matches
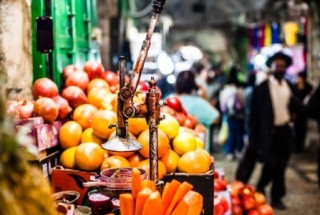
(158, 6)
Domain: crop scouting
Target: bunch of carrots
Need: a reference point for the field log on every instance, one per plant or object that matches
(177, 198)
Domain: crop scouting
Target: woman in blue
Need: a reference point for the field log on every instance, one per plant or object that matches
(186, 88)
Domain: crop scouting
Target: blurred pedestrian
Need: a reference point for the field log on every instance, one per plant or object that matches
(302, 89)
(312, 111)
(232, 106)
(270, 135)
(186, 88)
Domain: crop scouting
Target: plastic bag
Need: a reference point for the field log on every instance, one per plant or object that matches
(223, 132)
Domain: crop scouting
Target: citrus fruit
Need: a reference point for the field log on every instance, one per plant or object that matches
(89, 156)
(206, 154)
(193, 162)
(89, 136)
(114, 162)
(110, 102)
(101, 121)
(163, 143)
(199, 142)
(145, 165)
(67, 157)
(96, 95)
(135, 159)
(169, 125)
(170, 160)
(184, 142)
(70, 134)
(137, 125)
(97, 83)
(83, 115)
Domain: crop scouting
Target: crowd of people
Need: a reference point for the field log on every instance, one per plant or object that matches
(266, 120)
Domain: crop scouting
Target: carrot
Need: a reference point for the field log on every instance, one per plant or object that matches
(153, 204)
(181, 208)
(126, 204)
(150, 184)
(141, 199)
(195, 202)
(136, 182)
(182, 190)
(168, 193)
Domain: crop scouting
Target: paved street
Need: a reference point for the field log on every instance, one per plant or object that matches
(303, 193)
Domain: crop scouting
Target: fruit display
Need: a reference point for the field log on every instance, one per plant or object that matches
(238, 198)
(87, 105)
(177, 198)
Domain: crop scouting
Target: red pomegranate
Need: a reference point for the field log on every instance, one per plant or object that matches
(44, 87)
(47, 108)
(25, 109)
(79, 79)
(68, 70)
(75, 96)
(63, 106)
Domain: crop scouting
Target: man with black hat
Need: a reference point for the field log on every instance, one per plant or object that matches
(269, 130)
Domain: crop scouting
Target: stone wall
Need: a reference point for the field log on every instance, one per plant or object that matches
(15, 48)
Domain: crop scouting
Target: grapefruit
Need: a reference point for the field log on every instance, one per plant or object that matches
(163, 143)
(89, 156)
(184, 142)
(70, 134)
(114, 162)
(101, 121)
(169, 125)
(170, 160)
(145, 165)
(67, 158)
(193, 162)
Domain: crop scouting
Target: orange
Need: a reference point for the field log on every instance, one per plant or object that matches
(114, 162)
(67, 157)
(70, 134)
(163, 143)
(145, 165)
(206, 154)
(110, 102)
(101, 121)
(97, 83)
(89, 136)
(193, 162)
(96, 95)
(199, 142)
(184, 142)
(135, 159)
(169, 125)
(89, 156)
(83, 115)
(170, 160)
(137, 125)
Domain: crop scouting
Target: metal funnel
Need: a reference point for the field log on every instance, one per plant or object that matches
(119, 144)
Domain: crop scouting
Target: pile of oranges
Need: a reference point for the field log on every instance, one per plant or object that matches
(82, 136)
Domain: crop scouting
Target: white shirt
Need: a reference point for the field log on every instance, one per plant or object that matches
(280, 97)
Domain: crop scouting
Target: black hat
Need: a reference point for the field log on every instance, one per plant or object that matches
(279, 55)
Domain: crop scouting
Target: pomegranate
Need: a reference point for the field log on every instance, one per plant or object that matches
(11, 109)
(265, 210)
(190, 121)
(25, 109)
(111, 77)
(94, 70)
(63, 106)
(47, 108)
(175, 103)
(44, 87)
(79, 79)
(74, 95)
(68, 70)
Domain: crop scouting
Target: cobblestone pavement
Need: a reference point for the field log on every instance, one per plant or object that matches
(303, 193)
